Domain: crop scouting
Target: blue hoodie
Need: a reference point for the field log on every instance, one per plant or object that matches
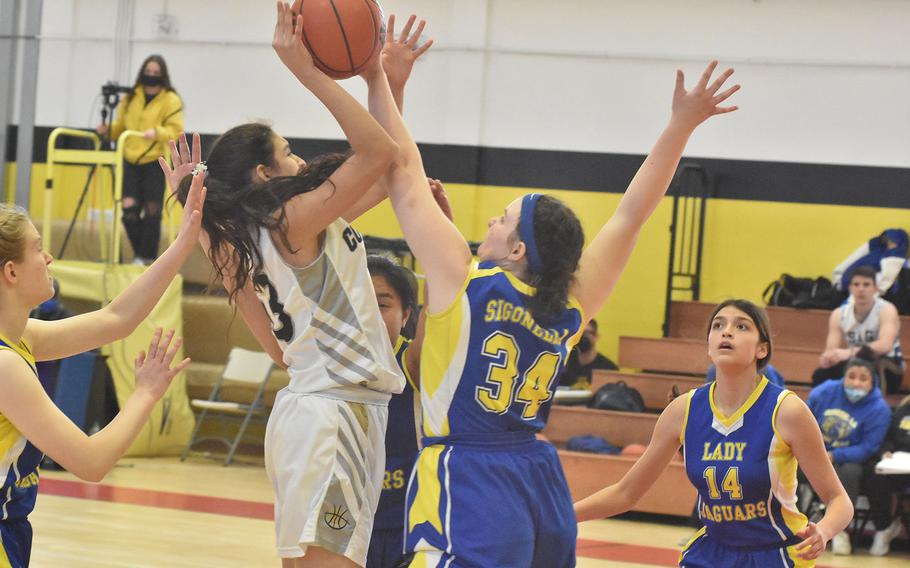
(853, 432)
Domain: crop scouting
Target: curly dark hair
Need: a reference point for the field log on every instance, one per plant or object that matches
(560, 239)
(236, 206)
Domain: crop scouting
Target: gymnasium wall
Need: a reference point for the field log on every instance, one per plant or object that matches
(567, 97)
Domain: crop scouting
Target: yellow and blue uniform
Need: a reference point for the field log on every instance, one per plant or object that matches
(19, 460)
(745, 474)
(484, 491)
(387, 540)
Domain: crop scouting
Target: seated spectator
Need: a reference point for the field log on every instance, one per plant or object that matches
(865, 322)
(584, 359)
(853, 417)
(881, 488)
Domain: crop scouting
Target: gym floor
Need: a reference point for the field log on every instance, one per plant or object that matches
(163, 513)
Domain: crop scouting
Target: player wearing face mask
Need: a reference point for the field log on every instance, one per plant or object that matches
(584, 359)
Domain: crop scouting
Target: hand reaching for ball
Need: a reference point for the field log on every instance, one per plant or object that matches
(288, 43)
(399, 54)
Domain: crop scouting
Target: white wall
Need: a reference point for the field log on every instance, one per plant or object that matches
(823, 80)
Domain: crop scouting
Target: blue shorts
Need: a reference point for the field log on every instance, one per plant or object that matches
(386, 548)
(490, 503)
(16, 539)
(705, 552)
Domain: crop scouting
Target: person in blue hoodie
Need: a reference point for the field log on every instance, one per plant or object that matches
(854, 418)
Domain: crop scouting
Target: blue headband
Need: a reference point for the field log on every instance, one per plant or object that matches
(526, 231)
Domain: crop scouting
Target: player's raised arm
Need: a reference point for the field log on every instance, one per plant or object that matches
(605, 258)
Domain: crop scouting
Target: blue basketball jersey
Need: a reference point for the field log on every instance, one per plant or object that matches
(19, 459)
(487, 365)
(744, 472)
(400, 449)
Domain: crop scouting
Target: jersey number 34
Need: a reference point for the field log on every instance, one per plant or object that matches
(501, 388)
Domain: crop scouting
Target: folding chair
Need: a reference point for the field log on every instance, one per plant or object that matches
(245, 367)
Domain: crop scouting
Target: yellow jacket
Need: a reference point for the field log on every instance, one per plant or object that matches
(164, 113)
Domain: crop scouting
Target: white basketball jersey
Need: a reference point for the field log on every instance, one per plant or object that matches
(326, 318)
(859, 333)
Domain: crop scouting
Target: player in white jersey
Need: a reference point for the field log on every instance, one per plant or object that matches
(865, 325)
(278, 234)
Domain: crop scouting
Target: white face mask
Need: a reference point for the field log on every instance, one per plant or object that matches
(855, 395)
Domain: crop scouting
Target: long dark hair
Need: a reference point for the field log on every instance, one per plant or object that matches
(560, 239)
(165, 75)
(236, 206)
(758, 316)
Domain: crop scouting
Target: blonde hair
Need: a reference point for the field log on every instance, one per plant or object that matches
(13, 223)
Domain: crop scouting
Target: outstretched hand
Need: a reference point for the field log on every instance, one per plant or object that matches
(153, 370)
(288, 42)
(813, 543)
(399, 54)
(183, 161)
(691, 108)
(191, 226)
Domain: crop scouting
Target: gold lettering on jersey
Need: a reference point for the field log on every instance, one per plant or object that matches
(731, 513)
(724, 451)
(29, 480)
(501, 310)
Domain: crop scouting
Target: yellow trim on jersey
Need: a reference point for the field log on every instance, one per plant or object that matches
(401, 347)
(425, 508)
(522, 287)
(19, 347)
(798, 562)
(701, 532)
(425, 559)
(727, 422)
(785, 466)
(473, 272)
(4, 559)
(780, 401)
(682, 432)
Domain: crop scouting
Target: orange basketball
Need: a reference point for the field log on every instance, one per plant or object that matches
(342, 35)
(633, 450)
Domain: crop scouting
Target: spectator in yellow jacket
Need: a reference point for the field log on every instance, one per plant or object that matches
(155, 109)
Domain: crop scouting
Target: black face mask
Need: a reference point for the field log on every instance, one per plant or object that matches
(584, 344)
(150, 80)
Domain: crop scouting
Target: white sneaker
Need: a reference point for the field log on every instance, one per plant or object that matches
(840, 544)
(881, 544)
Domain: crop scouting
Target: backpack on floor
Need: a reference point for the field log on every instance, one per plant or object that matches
(618, 396)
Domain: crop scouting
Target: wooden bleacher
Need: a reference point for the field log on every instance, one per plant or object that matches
(790, 327)
(690, 356)
(672, 494)
(656, 389)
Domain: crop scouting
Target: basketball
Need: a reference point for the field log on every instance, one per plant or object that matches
(633, 450)
(342, 35)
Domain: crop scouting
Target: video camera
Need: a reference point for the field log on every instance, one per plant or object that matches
(111, 89)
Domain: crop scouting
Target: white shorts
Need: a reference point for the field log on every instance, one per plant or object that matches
(325, 458)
